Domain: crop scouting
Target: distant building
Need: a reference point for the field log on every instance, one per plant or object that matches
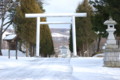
(64, 51)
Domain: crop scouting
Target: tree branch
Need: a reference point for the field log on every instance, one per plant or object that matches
(7, 8)
(6, 28)
(6, 23)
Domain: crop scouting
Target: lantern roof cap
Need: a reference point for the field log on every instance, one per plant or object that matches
(110, 21)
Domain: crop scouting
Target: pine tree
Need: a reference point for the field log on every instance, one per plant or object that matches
(71, 41)
(108, 8)
(84, 32)
(26, 28)
(47, 48)
(104, 9)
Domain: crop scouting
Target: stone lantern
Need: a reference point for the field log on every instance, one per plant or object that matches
(111, 53)
(111, 29)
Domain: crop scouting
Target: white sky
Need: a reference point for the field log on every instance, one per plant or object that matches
(60, 6)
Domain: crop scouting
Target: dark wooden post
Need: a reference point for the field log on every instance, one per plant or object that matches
(16, 50)
(9, 50)
(12, 42)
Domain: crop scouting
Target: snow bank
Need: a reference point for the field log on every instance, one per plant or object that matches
(35, 69)
(56, 69)
(59, 35)
(93, 69)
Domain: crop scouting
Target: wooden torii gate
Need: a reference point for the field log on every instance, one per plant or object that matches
(38, 16)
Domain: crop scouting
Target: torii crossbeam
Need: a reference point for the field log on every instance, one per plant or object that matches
(38, 16)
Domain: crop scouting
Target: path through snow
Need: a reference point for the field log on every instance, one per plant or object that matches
(56, 69)
(36, 69)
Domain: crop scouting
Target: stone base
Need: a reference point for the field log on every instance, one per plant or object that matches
(112, 58)
(112, 63)
(112, 46)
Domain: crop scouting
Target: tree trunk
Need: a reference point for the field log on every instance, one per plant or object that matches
(82, 50)
(16, 50)
(98, 44)
(0, 45)
(31, 50)
(78, 52)
(27, 51)
(1, 29)
(118, 43)
(88, 51)
(43, 55)
(20, 46)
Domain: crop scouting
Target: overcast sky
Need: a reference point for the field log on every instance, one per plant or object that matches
(60, 6)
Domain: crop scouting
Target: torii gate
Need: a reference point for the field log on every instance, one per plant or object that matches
(72, 15)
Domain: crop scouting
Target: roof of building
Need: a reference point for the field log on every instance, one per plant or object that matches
(10, 37)
(63, 47)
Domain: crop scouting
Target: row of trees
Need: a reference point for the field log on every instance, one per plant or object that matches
(103, 10)
(98, 11)
(26, 28)
(84, 33)
(86, 27)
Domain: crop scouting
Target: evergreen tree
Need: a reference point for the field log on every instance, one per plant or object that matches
(47, 48)
(103, 10)
(71, 41)
(84, 33)
(26, 28)
(106, 8)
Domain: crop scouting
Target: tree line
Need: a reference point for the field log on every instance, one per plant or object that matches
(26, 28)
(97, 12)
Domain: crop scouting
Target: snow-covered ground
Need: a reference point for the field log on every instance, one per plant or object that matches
(93, 69)
(36, 68)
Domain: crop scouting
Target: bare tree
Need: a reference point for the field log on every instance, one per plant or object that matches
(5, 7)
